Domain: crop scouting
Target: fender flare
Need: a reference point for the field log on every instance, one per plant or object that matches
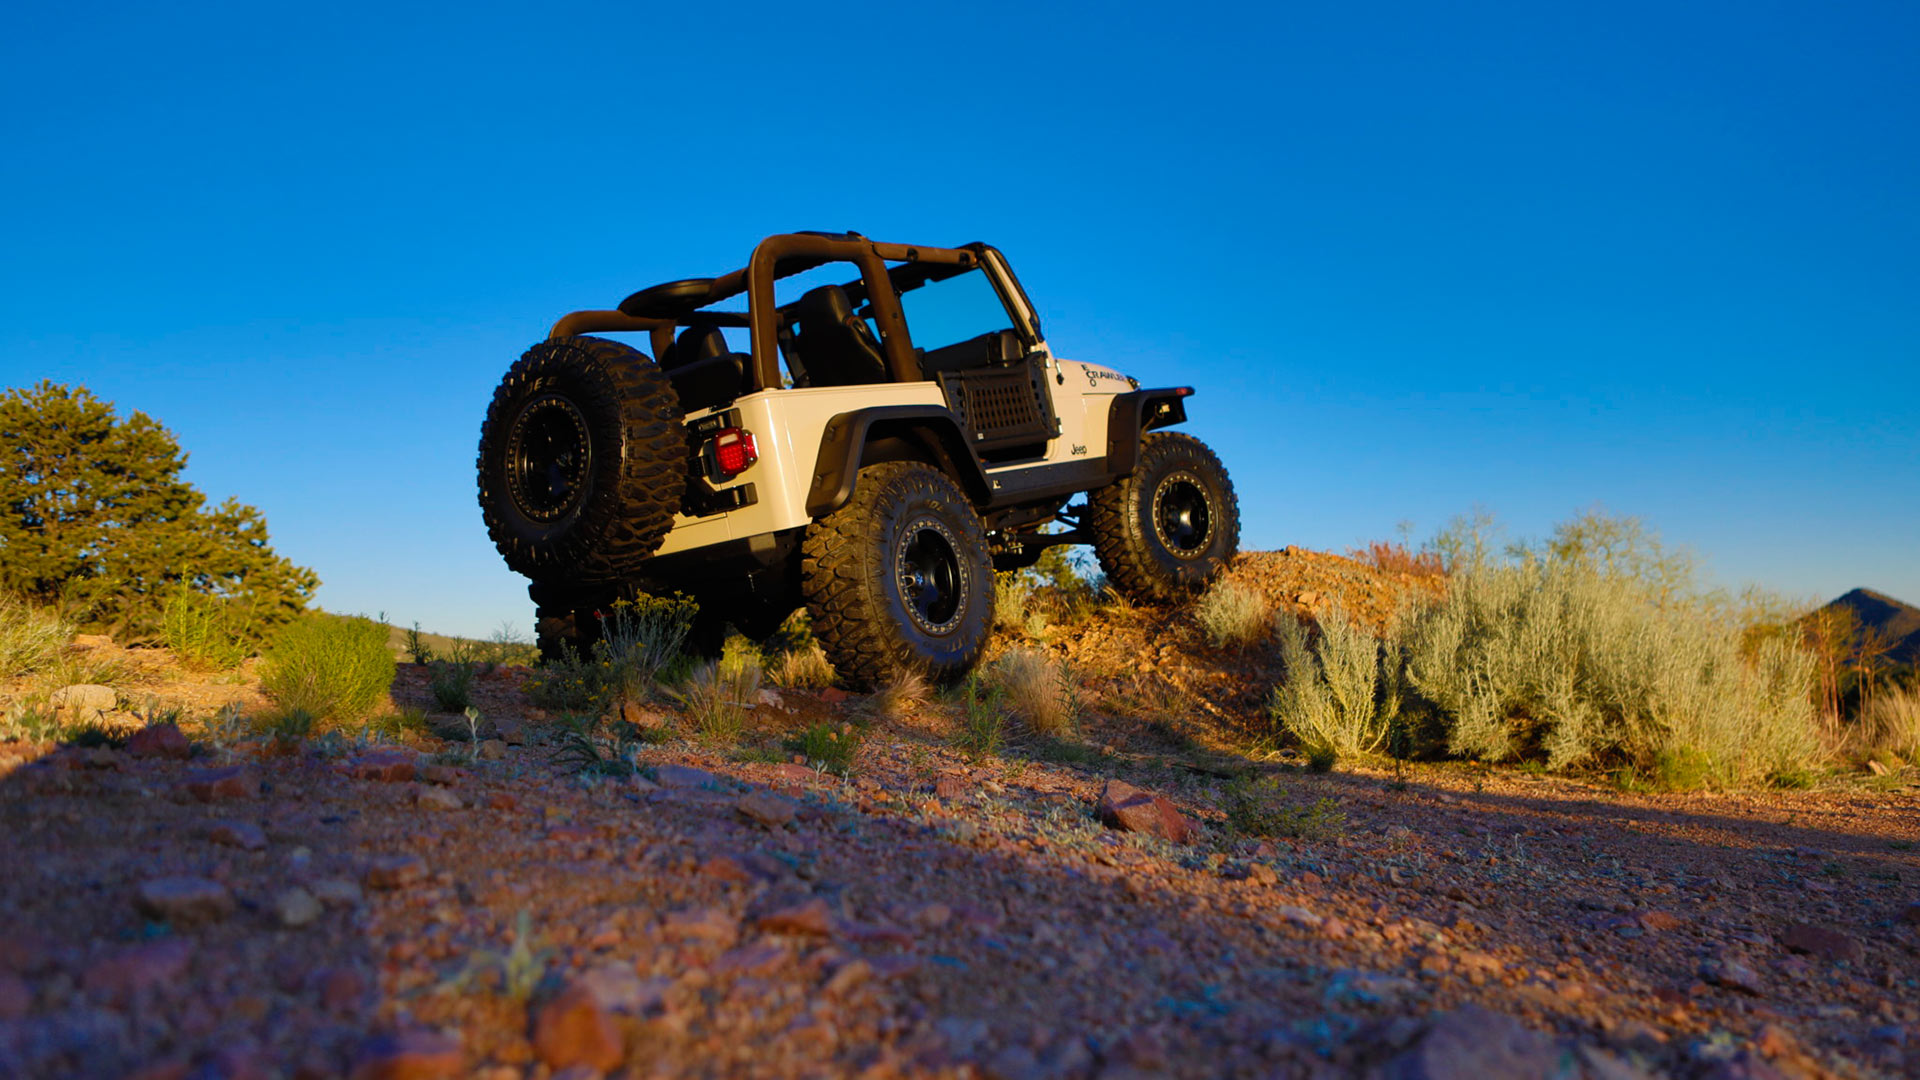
(1134, 414)
(837, 467)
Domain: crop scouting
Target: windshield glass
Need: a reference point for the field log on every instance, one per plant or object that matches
(963, 307)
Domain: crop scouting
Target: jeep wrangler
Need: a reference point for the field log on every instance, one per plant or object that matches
(873, 449)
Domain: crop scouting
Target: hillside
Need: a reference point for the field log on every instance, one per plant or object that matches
(1896, 620)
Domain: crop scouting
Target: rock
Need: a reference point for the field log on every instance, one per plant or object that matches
(811, 918)
(701, 924)
(15, 998)
(576, 1029)
(950, 787)
(1471, 1043)
(1827, 944)
(493, 749)
(84, 642)
(1876, 768)
(501, 800)
(453, 728)
(220, 785)
(418, 1055)
(159, 741)
(85, 700)
(771, 699)
(683, 776)
(435, 773)
(184, 901)
(1745, 1065)
(789, 770)
(767, 808)
(437, 798)
(131, 971)
(241, 834)
(395, 871)
(296, 907)
(1729, 972)
(1660, 920)
(1129, 809)
(621, 989)
(757, 959)
(1306, 599)
(387, 766)
(337, 892)
(833, 695)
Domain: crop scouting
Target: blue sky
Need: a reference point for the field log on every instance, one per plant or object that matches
(1417, 258)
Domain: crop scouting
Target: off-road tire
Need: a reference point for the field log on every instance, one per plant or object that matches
(606, 423)
(899, 577)
(1168, 529)
(559, 631)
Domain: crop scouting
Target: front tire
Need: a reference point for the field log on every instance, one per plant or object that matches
(899, 577)
(1168, 529)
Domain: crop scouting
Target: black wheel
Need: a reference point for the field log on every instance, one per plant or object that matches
(1168, 529)
(559, 630)
(582, 460)
(899, 577)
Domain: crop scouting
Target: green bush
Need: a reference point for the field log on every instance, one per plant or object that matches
(205, 633)
(828, 747)
(1259, 808)
(32, 638)
(1340, 690)
(983, 724)
(451, 685)
(331, 666)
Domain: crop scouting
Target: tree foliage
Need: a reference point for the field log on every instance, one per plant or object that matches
(96, 521)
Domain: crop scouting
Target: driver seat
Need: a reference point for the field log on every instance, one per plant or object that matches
(837, 346)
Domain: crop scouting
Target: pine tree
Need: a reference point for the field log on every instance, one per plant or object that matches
(94, 519)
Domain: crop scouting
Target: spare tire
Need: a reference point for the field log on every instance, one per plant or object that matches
(582, 461)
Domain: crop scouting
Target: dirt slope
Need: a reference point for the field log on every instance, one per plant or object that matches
(935, 916)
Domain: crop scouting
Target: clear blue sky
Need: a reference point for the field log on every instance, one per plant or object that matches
(1416, 257)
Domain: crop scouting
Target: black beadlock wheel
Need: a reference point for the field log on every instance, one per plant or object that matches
(582, 461)
(1170, 528)
(899, 577)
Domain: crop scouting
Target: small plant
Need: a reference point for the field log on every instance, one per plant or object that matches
(1393, 557)
(411, 720)
(1039, 691)
(418, 651)
(509, 645)
(829, 748)
(982, 727)
(1232, 615)
(451, 685)
(1259, 808)
(286, 726)
(329, 665)
(1322, 758)
(718, 696)
(518, 970)
(204, 632)
(1010, 596)
(582, 750)
(91, 735)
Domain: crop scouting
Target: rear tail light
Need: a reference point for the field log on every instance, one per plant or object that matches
(733, 451)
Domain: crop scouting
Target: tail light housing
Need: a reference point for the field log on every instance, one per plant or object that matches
(732, 450)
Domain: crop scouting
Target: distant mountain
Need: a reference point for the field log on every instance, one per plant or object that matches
(1898, 620)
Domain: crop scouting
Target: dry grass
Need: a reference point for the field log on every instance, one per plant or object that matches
(904, 693)
(1232, 615)
(718, 696)
(803, 668)
(31, 639)
(1038, 690)
(1890, 724)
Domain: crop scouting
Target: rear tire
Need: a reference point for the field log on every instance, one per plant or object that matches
(899, 577)
(582, 461)
(1170, 528)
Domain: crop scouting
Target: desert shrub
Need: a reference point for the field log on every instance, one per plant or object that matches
(509, 645)
(1390, 557)
(416, 645)
(828, 747)
(583, 745)
(903, 693)
(287, 725)
(1038, 689)
(1561, 659)
(1339, 690)
(32, 638)
(1322, 759)
(205, 633)
(802, 668)
(1232, 615)
(1010, 594)
(1259, 808)
(451, 685)
(332, 666)
(718, 695)
(982, 727)
(130, 529)
(642, 642)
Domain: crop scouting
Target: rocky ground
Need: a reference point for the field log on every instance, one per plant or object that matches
(197, 905)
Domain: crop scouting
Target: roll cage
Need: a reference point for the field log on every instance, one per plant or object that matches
(663, 310)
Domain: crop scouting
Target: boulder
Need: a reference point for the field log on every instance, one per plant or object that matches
(1471, 1043)
(184, 901)
(1129, 809)
(576, 1029)
(85, 700)
(159, 741)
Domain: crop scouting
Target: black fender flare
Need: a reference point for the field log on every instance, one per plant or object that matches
(1134, 414)
(934, 427)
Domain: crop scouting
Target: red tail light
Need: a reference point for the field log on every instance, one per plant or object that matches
(733, 451)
